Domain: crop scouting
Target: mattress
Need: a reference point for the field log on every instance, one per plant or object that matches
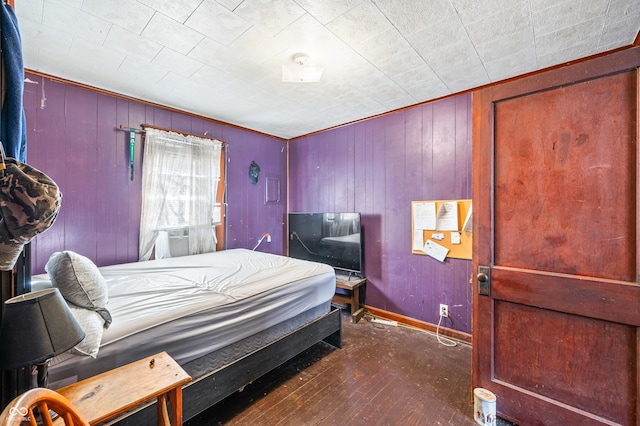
(196, 305)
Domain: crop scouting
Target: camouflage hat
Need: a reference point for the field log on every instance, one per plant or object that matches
(29, 205)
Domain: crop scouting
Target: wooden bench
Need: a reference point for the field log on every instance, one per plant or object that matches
(108, 395)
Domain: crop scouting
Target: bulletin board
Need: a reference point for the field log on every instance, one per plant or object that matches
(423, 229)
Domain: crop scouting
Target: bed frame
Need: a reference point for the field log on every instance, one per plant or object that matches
(205, 391)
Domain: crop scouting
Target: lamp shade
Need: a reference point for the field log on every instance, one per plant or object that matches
(36, 326)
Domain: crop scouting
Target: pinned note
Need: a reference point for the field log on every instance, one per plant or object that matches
(435, 250)
(455, 238)
(468, 221)
(418, 240)
(447, 219)
(424, 215)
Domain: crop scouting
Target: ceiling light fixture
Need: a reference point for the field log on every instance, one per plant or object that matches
(301, 70)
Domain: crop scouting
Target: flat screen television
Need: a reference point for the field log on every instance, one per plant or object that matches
(331, 238)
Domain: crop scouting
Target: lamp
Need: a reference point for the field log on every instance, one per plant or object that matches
(36, 327)
(301, 70)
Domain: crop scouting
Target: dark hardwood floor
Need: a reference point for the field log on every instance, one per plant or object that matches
(383, 375)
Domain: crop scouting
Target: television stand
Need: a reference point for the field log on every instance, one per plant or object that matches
(348, 293)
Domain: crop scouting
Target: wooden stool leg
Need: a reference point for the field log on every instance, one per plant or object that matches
(163, 412)
(175, 397)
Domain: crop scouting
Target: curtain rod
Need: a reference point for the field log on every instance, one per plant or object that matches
(145, 126)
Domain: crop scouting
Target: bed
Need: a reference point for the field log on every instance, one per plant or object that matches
(226, 317)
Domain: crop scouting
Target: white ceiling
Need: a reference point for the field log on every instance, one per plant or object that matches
(222, 59)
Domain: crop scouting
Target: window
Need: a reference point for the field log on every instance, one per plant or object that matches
(180, 181)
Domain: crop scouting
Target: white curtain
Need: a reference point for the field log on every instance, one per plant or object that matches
(179, 181)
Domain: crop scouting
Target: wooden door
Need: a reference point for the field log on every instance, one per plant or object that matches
(556, 224)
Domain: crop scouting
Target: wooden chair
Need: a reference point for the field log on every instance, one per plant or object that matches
(24, 408)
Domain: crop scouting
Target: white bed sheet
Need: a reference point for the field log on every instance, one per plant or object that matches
(193, 305)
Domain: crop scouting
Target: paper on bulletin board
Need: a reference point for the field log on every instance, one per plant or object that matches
(455, 237)
(418, 239)
(447, 219)
(424, 216)
(468, 221)
(435, 250)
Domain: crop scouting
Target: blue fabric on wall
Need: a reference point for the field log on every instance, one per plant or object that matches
(13, 130)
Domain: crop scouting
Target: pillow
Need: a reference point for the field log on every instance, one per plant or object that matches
(93, 325)
(79, 282)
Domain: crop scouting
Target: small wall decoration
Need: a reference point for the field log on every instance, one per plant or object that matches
(254, 172)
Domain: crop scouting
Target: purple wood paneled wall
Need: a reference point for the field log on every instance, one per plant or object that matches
(377, 167)
(73, 136)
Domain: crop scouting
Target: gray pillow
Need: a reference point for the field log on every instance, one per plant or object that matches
(92, 324)
(79, 282)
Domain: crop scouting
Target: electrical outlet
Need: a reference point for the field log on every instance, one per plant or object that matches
(444, 310)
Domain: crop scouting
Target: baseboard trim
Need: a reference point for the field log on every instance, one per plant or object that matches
(422, 325)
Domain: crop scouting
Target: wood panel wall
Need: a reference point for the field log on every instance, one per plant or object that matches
(73, 135)
(377, 167)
